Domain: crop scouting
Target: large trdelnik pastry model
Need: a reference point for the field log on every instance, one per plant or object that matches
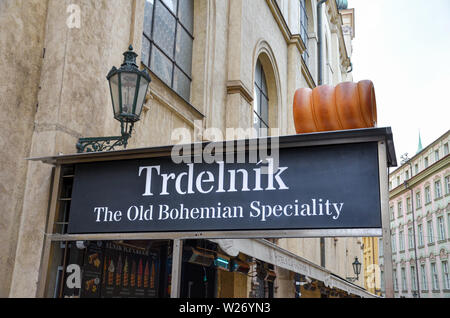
(326, 108)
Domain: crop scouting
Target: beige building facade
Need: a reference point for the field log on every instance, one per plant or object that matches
(55, 56)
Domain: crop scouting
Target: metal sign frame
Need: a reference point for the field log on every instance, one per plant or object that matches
(386, 159)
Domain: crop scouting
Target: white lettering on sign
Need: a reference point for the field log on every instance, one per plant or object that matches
(205, 181)
(256, 209)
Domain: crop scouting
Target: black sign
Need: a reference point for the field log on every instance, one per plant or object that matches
(316, 187)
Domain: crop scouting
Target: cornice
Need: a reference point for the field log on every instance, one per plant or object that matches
(427, 148)
(418, 178)
(237, 87)
(284, 28)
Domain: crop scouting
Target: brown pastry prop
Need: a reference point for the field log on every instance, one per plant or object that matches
(325, 108)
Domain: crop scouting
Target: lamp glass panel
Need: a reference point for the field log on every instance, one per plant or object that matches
(128, 82)
(114, 86)
(143, 85)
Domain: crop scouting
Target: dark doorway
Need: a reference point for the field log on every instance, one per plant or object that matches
(197, 281)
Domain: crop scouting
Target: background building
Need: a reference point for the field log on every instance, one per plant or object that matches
(213, 63)
(420, 222)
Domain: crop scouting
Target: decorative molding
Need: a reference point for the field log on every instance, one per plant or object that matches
(291, 38)
(237, 87)
(443, 254)
(417, 179)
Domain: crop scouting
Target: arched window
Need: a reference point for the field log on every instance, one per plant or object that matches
(167, 42)
(261, 102)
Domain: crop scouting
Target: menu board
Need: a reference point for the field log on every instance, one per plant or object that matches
(129, 272)
(92, 271)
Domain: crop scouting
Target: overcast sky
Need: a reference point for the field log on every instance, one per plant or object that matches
(403, 46)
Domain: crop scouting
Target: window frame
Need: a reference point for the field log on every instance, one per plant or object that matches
(423, 272)
(441, 228)
(418, 200)
(303, 23)
(403, 278)
(262, 94)
(410, 238)
(412, 270)
(173, 60)
(437, 189)
(430, 232)
(401, 241)
(445, 275)
(447, 184)
(427, 194)
(434, 276)
(420, 234)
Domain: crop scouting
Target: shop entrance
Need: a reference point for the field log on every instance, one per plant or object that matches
(198, 273)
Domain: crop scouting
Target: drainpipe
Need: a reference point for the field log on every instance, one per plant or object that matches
(320, 82)
(319, 42)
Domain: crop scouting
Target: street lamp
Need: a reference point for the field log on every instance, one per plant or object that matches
(128, 87)
(356, 269)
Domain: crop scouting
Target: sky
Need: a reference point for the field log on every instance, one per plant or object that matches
(403, 47)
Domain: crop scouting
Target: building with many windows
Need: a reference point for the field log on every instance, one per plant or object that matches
(420, 222)
(214, 64)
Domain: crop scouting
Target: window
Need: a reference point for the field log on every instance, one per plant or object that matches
(430, 232)
(406, 174)
(413, 278)
(437, 189)
(395, 280)
(393, 243)
(427, 195)
(390, 185)
(401, 241)
(304, 29)
(408, 205)
(398, 181)
(410, 238)
(445, 276)
(167, 42)
(403, 273)
(434, 276)
(425, 160)
(441, 228)
(423, 274)
(382, 281)
(448, 222)
(416, 168)
(261, 102)
(420, 234)
(418, 200)
(447, 185)
(436, 155)
(399, 209)
(446, 149)
(391, 210)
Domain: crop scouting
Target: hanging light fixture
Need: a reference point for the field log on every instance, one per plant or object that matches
(128, 87)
